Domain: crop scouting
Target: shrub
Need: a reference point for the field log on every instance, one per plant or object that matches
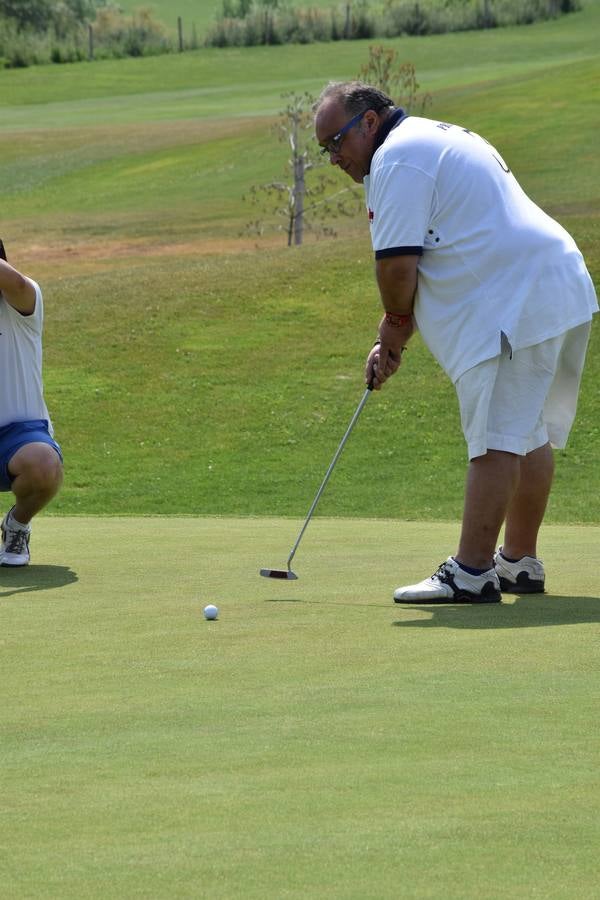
(252, 22)
(18, 49)
(114, 35)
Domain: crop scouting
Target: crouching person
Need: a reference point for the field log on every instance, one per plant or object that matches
(30, 459)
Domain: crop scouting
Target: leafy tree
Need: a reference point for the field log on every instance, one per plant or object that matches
(33, 14)
(40, 15)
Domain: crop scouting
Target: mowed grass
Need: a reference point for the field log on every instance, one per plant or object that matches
(234, 81)
(191, 370)
(208, 403)
(184, 137)
(196, 173)
(314, 741)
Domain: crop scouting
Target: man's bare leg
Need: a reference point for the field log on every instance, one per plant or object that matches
(492, 481)
(528, 505)
(502, 486)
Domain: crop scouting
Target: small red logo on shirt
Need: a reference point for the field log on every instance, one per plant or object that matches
(371, 215)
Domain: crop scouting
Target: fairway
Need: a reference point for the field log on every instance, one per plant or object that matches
(316, 740)
(123, 195)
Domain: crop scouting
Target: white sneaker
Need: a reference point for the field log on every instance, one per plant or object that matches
(451, 584)
(15, 542)
(525, 576)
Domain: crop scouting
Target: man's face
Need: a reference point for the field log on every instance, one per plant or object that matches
(348, 139)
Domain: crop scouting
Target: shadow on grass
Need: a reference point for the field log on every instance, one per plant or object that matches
(27, 579)
(526, 612)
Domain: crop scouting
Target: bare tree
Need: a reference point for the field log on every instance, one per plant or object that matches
(309, 197)
(300, 203)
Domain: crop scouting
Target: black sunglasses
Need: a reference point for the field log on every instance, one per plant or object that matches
(333, 144)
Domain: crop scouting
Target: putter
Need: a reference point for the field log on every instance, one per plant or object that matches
(287, 573)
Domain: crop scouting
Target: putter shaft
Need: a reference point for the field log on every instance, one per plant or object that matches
(287, 573)
(359, 409)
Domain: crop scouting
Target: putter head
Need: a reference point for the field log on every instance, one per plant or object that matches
(279, 573)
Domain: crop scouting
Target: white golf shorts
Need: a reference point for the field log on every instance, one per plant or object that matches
(520, 400)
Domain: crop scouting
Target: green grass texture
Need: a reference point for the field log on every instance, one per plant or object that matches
(191, 370)
(182, 397)
(234, 81)
(316, 740)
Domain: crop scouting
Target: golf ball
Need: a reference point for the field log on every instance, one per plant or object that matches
(211, 612)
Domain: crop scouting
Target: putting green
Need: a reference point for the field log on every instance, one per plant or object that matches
(316, 740)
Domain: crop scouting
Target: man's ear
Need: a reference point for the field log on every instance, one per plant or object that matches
(372, 120)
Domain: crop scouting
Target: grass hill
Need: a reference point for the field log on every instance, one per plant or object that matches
(189, 370)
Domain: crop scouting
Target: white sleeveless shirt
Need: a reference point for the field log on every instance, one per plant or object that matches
(21, 387)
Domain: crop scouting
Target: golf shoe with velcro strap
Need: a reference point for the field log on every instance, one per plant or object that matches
(452, 584)
(521, 576)
(14, 550)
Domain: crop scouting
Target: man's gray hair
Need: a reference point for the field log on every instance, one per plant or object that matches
(355, 97)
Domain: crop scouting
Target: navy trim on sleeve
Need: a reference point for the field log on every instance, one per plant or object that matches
(398, 251)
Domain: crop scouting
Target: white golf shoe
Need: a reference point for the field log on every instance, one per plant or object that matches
(451, 584)
(14, 550)
(525, 576)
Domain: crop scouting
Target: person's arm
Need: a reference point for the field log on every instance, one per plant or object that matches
(397, 282)
(17, 290)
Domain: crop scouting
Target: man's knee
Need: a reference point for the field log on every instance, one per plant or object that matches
(38, 466)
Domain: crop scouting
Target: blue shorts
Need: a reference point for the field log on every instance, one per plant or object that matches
(15, 436)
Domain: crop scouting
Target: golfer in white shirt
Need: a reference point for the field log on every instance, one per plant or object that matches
(502, 298)
(30, 459)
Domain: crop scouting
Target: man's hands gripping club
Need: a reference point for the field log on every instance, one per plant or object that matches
(386, 355)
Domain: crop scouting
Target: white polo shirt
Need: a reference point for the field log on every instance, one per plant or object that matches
(21, 388)
(492, 261)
